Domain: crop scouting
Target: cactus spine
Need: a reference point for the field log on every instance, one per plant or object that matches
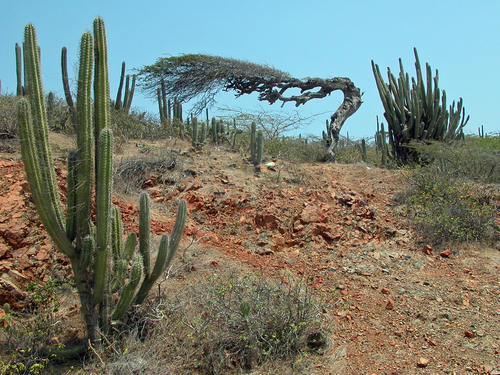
(99, 258)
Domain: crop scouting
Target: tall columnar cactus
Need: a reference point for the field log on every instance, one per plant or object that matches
(95, 247)
(129, 91)
(256, 145)
(215, 136)
(19, 71)
(194, 137)
(417, 112)
(203, 134)
(381, 145)
(362, 148)
(118, 101)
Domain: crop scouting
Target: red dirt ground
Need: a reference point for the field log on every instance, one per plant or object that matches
(399, 306)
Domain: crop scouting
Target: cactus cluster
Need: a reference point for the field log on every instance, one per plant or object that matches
(110, 274)
(256, 145)
(129, 91)
(164, 105)
(416, 110)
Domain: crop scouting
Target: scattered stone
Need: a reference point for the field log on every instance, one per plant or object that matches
(469, 334)
(385, 291)
(422, 362)
(487, 369)
(427, 250)
(446, 253)
(389, 305)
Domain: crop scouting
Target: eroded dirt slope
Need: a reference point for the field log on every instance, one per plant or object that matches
(399, 307)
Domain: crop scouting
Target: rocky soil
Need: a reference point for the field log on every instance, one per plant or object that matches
(398, 305)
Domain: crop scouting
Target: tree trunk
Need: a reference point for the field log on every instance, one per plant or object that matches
(352, 101)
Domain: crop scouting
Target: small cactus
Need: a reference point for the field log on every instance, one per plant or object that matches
(256, 145)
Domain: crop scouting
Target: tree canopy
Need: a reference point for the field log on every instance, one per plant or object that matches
(202, 77)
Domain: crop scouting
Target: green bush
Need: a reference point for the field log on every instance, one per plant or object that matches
(26, 333)
(302, 150)
(8, 116)
(445, 208)
(251, 320)
(475, 158)
(137, 125)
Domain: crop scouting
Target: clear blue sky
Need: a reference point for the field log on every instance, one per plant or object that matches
(307, 38)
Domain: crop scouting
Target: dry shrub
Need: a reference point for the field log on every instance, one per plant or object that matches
(133, 172)
(218, 326)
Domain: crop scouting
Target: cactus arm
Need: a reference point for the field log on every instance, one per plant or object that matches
(101, 84)
(103, 214)
(118, 102)
(47, 210)
(33, 130)
(71, 206)
(129, 94)
(130, 246)
(166, 251)
(65, 81)
(19, 69)
(129, 290)
(119, 263)
(178, 228)
(88, 251)
(85, 137)
(117, 233)
(163, 254)
(39, 118)
(145, 231)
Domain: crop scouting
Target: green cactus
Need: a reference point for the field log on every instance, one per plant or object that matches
(417, 112)
(99, 258)
(19, 71)
(51, 104)
(65, 80)
(118, 101)
(256, 145)
(381, 145)
(363, 150)
(129, 91)
(194, 137)
(160, 104)
(203, 135)
(215, 137)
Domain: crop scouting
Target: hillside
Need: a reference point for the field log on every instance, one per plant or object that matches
(394, 304)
